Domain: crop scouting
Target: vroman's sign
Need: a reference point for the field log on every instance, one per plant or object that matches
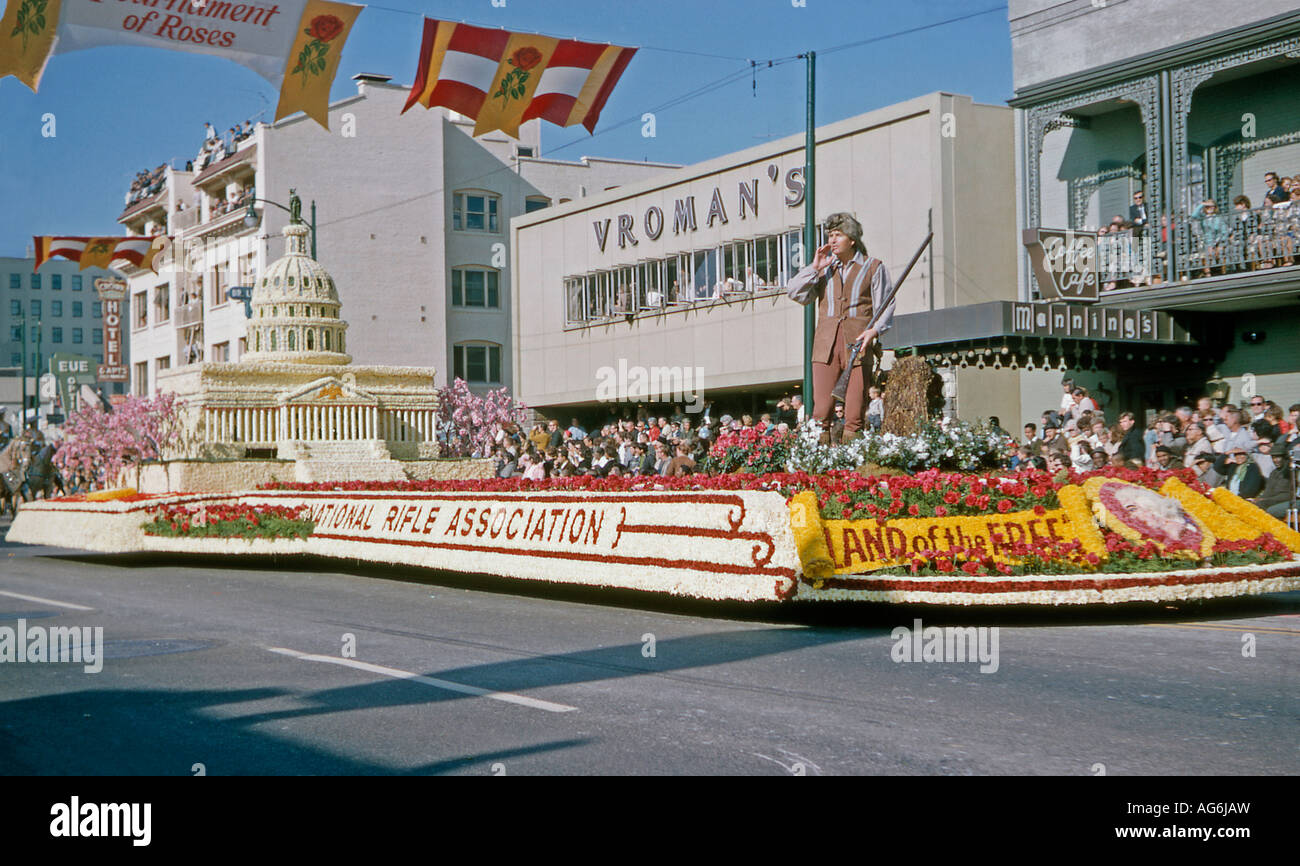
(685, 215)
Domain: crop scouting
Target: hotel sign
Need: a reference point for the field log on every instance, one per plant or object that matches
(112, 292)
(1064, 263)
(1075, 321)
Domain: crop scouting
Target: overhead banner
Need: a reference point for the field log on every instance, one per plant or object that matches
(502, 79)
(294, 44)
(98, 252)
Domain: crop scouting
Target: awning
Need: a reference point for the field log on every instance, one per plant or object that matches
(1079, 334)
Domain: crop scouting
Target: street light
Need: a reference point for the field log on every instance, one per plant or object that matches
(251, 219)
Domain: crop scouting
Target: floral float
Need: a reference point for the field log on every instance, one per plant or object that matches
(936, 537)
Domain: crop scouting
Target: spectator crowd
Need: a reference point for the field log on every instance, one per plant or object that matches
(1246, 449)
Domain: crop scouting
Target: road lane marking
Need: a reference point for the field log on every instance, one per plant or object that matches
(40, 600)
(1233, 628)
(448, 685)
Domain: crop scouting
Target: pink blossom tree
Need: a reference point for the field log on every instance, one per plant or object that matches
(471, 421)
(97, 445)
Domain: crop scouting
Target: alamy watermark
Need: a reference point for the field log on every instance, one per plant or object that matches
(968, 644)
(81, 645)
(75, 818)
(635, 384)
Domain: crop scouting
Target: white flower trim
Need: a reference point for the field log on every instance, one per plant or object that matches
(719, 545)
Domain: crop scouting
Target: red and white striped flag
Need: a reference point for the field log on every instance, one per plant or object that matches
(501, 79)
(95, 252)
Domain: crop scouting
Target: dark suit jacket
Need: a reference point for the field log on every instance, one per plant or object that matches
(1250, 485)
(1137, 215)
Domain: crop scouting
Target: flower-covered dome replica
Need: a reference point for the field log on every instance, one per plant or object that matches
(296, 309)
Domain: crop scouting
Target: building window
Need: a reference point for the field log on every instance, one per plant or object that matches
(523, 150)
(141, 310)
(15, 359)
(36, 281)
(36, 309)
(15, 333)
(221, 351)
(475, 287)
(475, 212)
(56, 308)
(477, 364)
(35, 367)
(56, 282)
(141, 383)
(96, 309)
(15, 307)
(533, 203)
(15, 281)
(218, 283)
(161, 364)
(56, 335)
(76, 282)
(78, 310)
(97, 336)
(77, 335)
(162, 304)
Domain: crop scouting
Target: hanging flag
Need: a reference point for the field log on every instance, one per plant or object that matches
(501, 79)
(96, 252)
(294, 44)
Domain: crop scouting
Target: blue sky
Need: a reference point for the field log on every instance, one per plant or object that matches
(121, 109)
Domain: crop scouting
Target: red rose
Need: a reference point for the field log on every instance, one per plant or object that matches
(970, 567)
(526, 58)
(944, 565)
(325, 27)
(1004, 505)
(951, 497)
(1040, 510)
(914, 511)
(940, 511)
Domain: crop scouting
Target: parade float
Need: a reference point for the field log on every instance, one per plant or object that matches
(293, 451)
(932, 537)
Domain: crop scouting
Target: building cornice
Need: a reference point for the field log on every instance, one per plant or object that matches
(1152, 62)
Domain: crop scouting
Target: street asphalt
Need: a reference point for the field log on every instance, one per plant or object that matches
(244, 667)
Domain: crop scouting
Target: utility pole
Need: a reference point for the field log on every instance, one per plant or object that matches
(22, 410)
(809, 229)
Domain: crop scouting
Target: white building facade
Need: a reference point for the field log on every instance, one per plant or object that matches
(687, 271)
(411, 218)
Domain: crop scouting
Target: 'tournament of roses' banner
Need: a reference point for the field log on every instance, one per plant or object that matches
(294, 44)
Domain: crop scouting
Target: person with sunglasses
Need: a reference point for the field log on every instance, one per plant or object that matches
(1241, 475)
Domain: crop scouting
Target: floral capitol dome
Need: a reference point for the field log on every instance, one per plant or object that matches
(295, 309)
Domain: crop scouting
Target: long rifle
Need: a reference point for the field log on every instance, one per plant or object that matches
(841, 389)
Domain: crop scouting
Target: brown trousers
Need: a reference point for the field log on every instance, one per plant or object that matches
(855, 399)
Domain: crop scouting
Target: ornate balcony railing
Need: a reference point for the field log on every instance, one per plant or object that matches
(1214, 243)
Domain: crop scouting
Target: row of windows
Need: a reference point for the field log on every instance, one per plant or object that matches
(16, 360)
(56, 335)
(56, 308)
(758, 265)
(56, 281)
(478, 212)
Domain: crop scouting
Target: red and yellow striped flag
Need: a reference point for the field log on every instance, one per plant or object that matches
(501, 79)
(95, 252)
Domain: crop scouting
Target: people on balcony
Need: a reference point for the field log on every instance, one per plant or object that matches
(1215, 233)
(1277, 192)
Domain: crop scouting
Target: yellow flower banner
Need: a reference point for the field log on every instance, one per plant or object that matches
(809, 536)
(313, 59)
(859, 546)
(27, 34)
(1257, 517)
